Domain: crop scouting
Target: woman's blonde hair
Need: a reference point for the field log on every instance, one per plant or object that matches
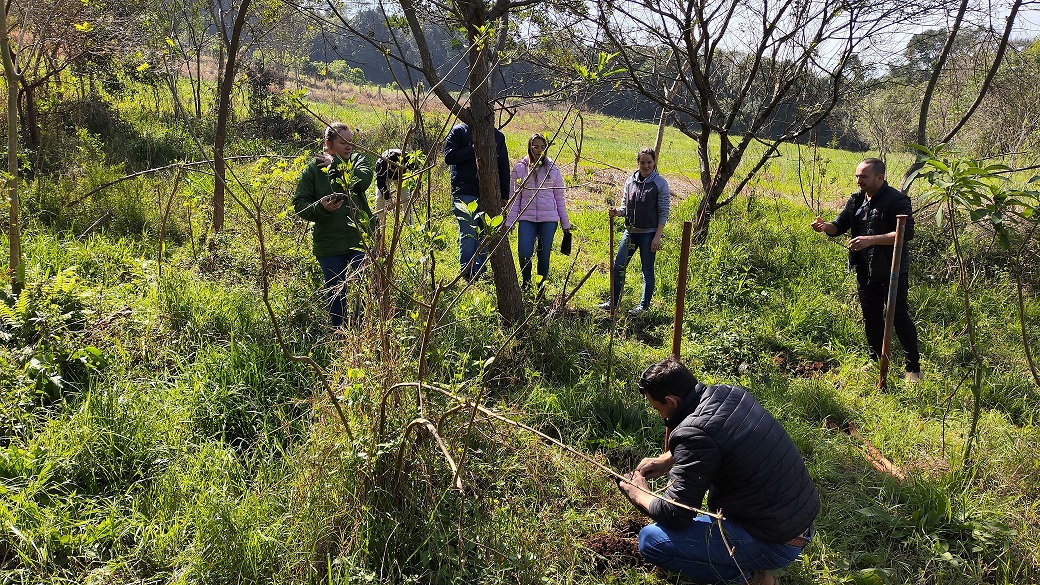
(334, 129)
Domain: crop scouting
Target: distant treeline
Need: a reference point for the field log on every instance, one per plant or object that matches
(351, 58)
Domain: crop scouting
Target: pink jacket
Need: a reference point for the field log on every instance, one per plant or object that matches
(537, 194)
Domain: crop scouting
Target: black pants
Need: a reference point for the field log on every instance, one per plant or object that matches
(872, 299)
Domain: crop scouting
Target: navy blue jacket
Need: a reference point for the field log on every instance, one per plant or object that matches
(725, 444)
(458, 153)
(879, 218)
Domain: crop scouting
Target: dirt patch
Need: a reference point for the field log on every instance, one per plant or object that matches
(617, 547)
(800, 368)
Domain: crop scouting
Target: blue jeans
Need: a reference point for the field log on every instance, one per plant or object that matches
(526, 231)
(629, 243)
(698, 551)
(470, 232)
(337, 270)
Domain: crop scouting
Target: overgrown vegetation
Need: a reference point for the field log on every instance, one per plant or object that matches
(154, 428)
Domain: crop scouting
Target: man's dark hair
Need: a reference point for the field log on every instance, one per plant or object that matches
(667, 377)
(876, 164)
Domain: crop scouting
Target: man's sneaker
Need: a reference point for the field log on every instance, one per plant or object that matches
(636, 311)
(605, 306)
(912, 377)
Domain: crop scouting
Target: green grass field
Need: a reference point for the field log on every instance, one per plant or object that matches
(154, 430)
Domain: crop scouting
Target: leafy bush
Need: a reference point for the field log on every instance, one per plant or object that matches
(44, 356)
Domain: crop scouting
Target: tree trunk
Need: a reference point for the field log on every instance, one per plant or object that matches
(510, 300)
(31, 118)
(14, 227)
(661, 123)
(705, 212)
(714, 184)
(227, 84)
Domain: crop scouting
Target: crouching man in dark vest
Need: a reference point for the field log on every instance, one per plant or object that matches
(722, 443)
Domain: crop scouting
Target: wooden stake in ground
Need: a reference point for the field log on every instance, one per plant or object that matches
(680, 298)
(680, 288)
(893, 291)
(613, 304)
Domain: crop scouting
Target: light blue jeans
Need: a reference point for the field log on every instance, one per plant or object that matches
(629, 243)
(698, 551)
(526, 231)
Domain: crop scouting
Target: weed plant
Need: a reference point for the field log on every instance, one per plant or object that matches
(186, 444)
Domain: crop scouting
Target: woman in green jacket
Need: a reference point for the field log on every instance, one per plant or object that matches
(331, 195)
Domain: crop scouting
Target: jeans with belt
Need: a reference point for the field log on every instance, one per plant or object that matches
(698, 550)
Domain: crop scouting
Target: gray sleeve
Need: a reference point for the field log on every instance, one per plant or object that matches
(664, 200)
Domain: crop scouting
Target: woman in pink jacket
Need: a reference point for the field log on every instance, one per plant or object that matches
(538, 203)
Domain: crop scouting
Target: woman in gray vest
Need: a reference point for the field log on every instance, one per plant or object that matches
(645, 209)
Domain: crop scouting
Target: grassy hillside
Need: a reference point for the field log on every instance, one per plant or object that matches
(154, 429)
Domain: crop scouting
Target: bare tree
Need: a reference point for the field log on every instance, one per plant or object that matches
(241, 27)
(232, 44)
(483, 26)
(745, 72)
(11, 179)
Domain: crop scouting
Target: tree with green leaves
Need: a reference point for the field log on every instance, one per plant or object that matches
(964, 192)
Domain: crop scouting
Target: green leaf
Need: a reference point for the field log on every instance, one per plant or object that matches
(463, 208)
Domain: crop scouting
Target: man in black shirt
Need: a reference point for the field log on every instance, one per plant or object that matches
(871, 216)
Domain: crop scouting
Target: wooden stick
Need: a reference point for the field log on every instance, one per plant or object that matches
(870, 452)
(613, 303)
(680, 300)
(893, 291)
(610, 265)
(680, 288)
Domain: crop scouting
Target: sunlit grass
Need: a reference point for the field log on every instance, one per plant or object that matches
(195, 451)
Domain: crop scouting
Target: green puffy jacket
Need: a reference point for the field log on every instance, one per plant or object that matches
(336, 232)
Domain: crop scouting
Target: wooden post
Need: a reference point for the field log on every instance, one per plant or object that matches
(610, 264)
(893, 291)
(680, 288)
(613, 307)
(680, 299)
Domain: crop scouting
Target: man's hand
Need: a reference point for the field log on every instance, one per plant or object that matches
(330, 203)
(655, 244)
(636, 489)
(632, 484)
(823, 226)
(651, 467)
(861, 243)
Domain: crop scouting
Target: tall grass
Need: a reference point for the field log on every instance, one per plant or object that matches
(190, 448)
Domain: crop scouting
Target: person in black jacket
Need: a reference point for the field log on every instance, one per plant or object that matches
(465, 189)
(871, 215)
(722, 443)
(392, 166)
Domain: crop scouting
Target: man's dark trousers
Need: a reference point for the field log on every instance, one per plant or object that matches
(872, 299)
